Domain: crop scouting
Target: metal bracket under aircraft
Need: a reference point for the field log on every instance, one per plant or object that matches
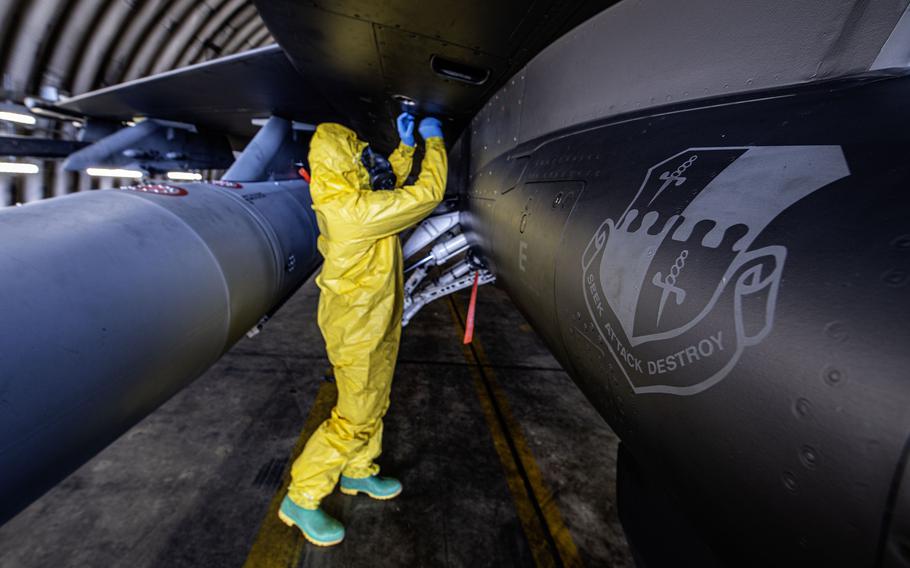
(442, 234)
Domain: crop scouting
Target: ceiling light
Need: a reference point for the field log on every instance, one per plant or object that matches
(18, 168)
(17, 117)
(184, 176)
(113, 172)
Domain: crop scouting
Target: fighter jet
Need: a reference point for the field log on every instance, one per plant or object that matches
(700, 207)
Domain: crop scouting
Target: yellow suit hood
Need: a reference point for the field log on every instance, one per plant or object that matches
(335, 161)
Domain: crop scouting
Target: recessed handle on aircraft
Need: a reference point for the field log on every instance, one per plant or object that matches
(458, 71)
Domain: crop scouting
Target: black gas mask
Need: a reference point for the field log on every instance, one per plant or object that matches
(380, 170)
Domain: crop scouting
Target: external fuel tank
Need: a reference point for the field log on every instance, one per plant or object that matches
(114, 300)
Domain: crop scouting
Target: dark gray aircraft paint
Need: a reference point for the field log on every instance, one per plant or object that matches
(115, 300)
(728, 283)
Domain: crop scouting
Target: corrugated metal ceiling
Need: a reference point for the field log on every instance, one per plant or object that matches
(75, 46)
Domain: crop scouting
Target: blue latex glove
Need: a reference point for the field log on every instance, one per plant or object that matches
(405, 123)
(430, 128)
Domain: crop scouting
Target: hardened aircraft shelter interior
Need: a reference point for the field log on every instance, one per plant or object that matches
(659, 318)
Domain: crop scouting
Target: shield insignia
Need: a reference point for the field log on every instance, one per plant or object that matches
(673, 283)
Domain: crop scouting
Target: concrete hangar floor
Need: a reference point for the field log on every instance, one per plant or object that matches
(504, 462)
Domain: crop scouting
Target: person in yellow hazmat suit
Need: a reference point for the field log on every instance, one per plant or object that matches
(360, 307)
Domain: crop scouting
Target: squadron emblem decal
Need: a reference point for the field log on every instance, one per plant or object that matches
(673, 284)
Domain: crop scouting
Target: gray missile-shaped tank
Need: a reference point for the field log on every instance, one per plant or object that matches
(114, 300)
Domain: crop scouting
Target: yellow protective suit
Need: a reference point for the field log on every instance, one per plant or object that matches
(360, 304)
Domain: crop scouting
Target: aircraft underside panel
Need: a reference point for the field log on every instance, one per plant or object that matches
(728, 283)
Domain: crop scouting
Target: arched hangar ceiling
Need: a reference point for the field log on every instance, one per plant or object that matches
(74, 46)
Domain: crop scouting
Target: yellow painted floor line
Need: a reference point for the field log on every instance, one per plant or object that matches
(278, 545)
(532, 498)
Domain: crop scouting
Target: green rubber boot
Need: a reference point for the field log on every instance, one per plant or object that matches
(315, 524)
(382, 488)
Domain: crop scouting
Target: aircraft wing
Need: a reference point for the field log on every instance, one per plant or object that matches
(222, 95)
(352, 62)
